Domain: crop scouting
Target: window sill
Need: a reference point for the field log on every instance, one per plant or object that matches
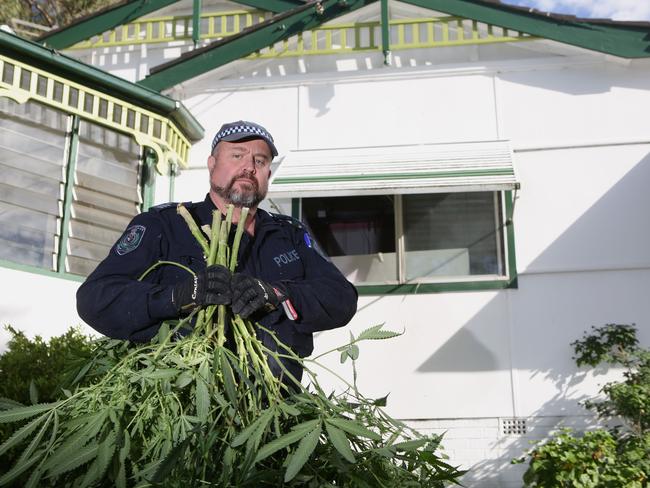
(420, 288)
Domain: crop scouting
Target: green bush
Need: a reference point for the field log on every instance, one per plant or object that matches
(618, 457)
(36, 371)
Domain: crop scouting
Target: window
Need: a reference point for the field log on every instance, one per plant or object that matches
(49, 222)
(106, 195)
(412, 238)
(32, 157)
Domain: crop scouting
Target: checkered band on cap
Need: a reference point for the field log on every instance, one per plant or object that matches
(243, 129)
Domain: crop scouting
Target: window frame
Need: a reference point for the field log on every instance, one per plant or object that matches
(468, 283)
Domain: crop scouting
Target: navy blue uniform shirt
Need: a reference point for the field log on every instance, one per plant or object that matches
(115, 303)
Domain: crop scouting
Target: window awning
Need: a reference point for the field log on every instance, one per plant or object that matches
(421, 168)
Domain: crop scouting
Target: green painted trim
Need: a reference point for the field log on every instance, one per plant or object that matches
(102, 21)
(148, 179)
(627, 40)
(40, 271)
(276, 6)
(295, 208)
(385, 32)
(393, 176)
(71, 166)
(238, 46)
(196, 21)
(54, 62)
(510, 237)
(419, 288)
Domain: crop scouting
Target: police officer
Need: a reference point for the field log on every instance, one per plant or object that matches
(282, 280)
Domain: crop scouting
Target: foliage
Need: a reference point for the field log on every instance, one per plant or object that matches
(190, 407)
(620, 456)
(50, 13)
(37, 370)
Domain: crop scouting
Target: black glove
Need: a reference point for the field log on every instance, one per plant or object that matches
(210, 286)
(250, 294)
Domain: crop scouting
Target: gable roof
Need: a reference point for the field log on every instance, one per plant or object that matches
(618, 38)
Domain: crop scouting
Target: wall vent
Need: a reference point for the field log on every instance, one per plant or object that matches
(513, 426)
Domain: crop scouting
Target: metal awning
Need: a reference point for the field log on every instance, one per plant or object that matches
(421, 168)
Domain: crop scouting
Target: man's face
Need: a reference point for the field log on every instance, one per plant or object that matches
(240, 171)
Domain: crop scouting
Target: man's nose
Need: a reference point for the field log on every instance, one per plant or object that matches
(249, 163)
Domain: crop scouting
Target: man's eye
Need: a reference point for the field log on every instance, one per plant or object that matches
(236, 156)
(260, 162)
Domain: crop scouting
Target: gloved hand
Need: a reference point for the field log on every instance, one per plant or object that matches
(251, 294)
(209, 287)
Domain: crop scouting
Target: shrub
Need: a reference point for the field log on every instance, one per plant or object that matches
(620, 456)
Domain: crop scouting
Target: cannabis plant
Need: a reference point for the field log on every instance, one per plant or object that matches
(193, 408)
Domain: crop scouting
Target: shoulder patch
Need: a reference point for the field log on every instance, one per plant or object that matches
(130, 240)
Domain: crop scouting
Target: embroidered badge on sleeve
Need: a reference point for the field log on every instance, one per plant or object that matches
(130, 240)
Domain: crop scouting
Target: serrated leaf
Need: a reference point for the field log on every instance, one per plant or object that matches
(33, 393)
(20, 413)
(161, 374)
(247, 432)
(353, 428)
(229, 381)
(289, 409)
(353, 352)
(301, 430)
(19, 468)
(410, 445)
(29, 451)
(340, 442)
(72, 444)
(376, 333)
(105, 452)
(22, 433)
(8, 403)
(79, 458)
(254, 440)
(302, 454)
(184, 379)
(34, 479)
(166, 465)
(202, 400)
(381, 402)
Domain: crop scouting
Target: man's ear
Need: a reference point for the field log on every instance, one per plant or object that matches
(269, 172)
(211, 162)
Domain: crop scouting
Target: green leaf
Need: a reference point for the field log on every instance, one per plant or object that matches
(254, 440)
(8, 403)
(33, 393)
(301, 455)
(19, 468)
(167, 465)
(375, 333)
(229, 381)
(300, 431)
(351, 427)
(184, 379)
(289, 409)
(340, 442)
(21, 434)
(29, 451)
(80, 457)
(202, 400)
(21, 413)
(354, 352)
(161, 374)
(248, 431)
(34, 479)
(344, 355)
(410, 445)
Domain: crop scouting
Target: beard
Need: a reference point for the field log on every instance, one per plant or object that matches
(248, 195)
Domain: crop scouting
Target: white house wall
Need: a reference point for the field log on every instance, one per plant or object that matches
(467, 359)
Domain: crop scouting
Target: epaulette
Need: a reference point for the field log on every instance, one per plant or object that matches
(164, 206)
(289, 220)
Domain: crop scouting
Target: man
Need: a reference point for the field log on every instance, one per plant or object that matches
(282, 281)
